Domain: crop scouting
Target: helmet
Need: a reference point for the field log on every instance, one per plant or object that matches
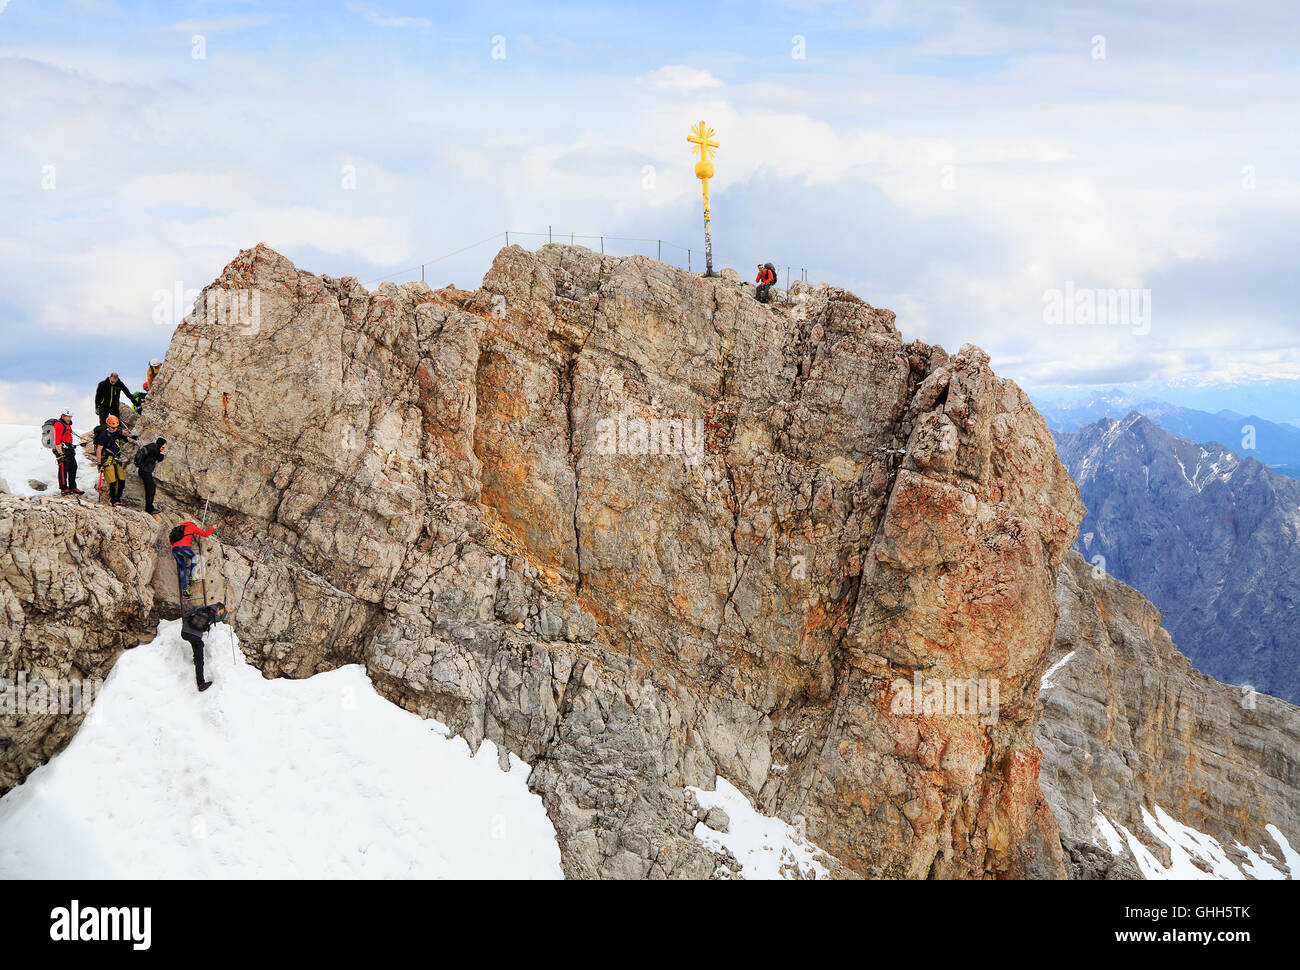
(110, 422)
(145, 386)
(155, 362)
(65, 413)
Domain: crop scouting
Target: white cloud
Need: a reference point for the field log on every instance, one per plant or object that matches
(32, 402)
(221, 24)
(380, 19)
(679, 77)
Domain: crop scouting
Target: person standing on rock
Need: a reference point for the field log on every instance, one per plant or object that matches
(65, 453)
(108, 454)
(764, 282)
(194, 625)
(108, 396)
(145, 461)
(182, 538)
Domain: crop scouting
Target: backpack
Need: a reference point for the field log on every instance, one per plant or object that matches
(177, 534)
(772, 270)
(47, 434)
(142, 458)
(201, 620)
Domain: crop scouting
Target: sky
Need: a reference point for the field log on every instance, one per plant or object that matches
(991, 171)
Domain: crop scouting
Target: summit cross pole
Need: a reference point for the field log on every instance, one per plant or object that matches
(705, 143)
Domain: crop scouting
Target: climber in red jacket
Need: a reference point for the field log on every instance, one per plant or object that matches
(182, 539)
(764, 282)
(65, 453)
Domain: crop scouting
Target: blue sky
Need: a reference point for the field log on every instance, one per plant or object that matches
(956, 163)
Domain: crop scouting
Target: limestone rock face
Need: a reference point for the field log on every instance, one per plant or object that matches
(75, 590)
(1129, 723)
(641, 530)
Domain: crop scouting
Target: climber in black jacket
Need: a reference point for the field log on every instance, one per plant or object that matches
(146, 458)
(194, 625)
(108, 396)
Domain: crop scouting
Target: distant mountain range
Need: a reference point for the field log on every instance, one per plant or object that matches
(1212, 539)
(1249, 436)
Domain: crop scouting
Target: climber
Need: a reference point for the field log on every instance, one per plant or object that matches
(65, 453)
(764, 282)
(194, 625)
(108, 396)
(151, 374)
(181, 538)
(108, 454)
(146, 457)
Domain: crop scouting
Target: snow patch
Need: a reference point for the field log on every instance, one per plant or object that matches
(1046, 683)
(255, 778)
(1192, 854)
(767, 848)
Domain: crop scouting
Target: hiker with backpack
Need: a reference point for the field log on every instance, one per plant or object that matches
(151, 374)
(764, 282)
(56, 435)
(196, 622)
(108, 454)
(146, 459)
(181, 538)
(108, 396)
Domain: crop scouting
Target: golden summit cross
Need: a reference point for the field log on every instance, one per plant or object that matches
(705, 144)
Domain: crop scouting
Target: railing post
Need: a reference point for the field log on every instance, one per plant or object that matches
(548, 235)
(421, 272)
(660, 256)
(507, 238)
(688, 260)
(602, 245)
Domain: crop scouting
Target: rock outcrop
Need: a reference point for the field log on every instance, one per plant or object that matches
(1129, 724)
(642, 531)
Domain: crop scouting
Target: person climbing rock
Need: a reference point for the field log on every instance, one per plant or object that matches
(146, 459)
(182, 538)
(108, 455)
(197, 622)
(151, 374)
(108, 396)
(65, 453)
(764, 282)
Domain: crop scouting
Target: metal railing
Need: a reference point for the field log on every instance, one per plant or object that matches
(573, 239)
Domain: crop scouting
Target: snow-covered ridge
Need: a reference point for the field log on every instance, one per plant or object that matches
(256, 778)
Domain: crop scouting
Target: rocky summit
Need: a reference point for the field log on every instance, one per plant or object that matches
(636, 529)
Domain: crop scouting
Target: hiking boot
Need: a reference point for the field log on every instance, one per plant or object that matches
(204, 686)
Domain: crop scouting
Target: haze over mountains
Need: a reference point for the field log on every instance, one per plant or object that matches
(1211, 538)
(1276, 444)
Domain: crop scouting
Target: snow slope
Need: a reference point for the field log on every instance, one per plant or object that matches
(312, 778)
(765, 847)
(23, 458)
